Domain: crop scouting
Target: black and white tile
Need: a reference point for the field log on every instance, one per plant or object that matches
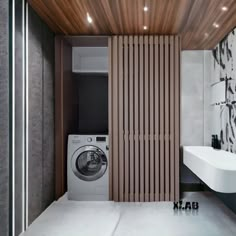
(224, 71)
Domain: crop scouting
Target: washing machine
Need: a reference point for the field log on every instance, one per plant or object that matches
(87, 168)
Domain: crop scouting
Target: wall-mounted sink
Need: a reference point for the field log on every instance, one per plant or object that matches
(217, 168)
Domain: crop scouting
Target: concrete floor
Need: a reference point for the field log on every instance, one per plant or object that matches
(69, 218)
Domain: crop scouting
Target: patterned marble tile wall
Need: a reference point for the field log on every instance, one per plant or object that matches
(224, 72)
(41, 116)
(4, 119)
(224, 113)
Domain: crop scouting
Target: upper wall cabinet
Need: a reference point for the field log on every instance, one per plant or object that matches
(90, 59)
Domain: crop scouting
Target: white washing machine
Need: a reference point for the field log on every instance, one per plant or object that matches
(87, 168)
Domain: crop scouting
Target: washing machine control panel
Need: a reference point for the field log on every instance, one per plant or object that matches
(101, 139)
(76, 141)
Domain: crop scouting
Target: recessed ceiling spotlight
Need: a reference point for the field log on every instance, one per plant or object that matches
(206, 35)
(89, 19)
(224, 8)
(145, 27)
(216, 25)
(145, 8)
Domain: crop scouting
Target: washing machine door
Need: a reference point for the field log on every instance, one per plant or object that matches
(89, 163)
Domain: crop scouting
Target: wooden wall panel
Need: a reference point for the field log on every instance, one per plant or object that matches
(167, 118)
(136, 118)
(110, 116)
(144, 114)
(151, 120)
(65, 110)
(121, 126)
(172, 115)
(141, 116)
(161, 115)
(131, 117)
(126, 116)
(146, 117)
(115, 123)
(177, 115)
(157, 118)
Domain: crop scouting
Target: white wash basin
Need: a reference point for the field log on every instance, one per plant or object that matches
(217, 168)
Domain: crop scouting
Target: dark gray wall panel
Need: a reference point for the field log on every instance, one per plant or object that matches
(48, 117)
(35, 116)
(19, 126)
(41, 116)
(4, 119)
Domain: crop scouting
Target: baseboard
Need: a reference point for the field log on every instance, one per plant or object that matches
(193, 187)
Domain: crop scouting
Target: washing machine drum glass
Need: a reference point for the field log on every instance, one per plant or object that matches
(89, 163)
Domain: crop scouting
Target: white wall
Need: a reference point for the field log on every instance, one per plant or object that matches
(195, 98)
(195, 103)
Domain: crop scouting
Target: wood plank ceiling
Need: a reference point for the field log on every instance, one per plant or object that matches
(192, 19)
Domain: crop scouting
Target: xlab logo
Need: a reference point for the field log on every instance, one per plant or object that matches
(187, 206)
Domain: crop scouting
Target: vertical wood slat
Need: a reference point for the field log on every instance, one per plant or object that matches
(166, 138)
(141, 123)
(144, 117)
(157, 156)
(110, 117)
(172, 171)
(146, 98)
(131, 118)
(136, 117)
(126, 123)
(121, 127)
(115, 140)
(59, 147)
(161, 117)
(151, 120)
(177, 114)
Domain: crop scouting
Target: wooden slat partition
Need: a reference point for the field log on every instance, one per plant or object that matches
(146, 117)
(141, 116)
(126, 118)
(172, 115)
(121, 123)
(161, 115)
(157, 118)
(167, 118)
(177, 114)
(144, 84)
(131, 118)
(151, 120)
(115, 123)
(136, 118)
(110, 118)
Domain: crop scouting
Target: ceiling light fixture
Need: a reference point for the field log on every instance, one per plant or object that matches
(145, 27)
(216, 25)
(145, 8)
(89, 19)
(206, 35)
(224, 8)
